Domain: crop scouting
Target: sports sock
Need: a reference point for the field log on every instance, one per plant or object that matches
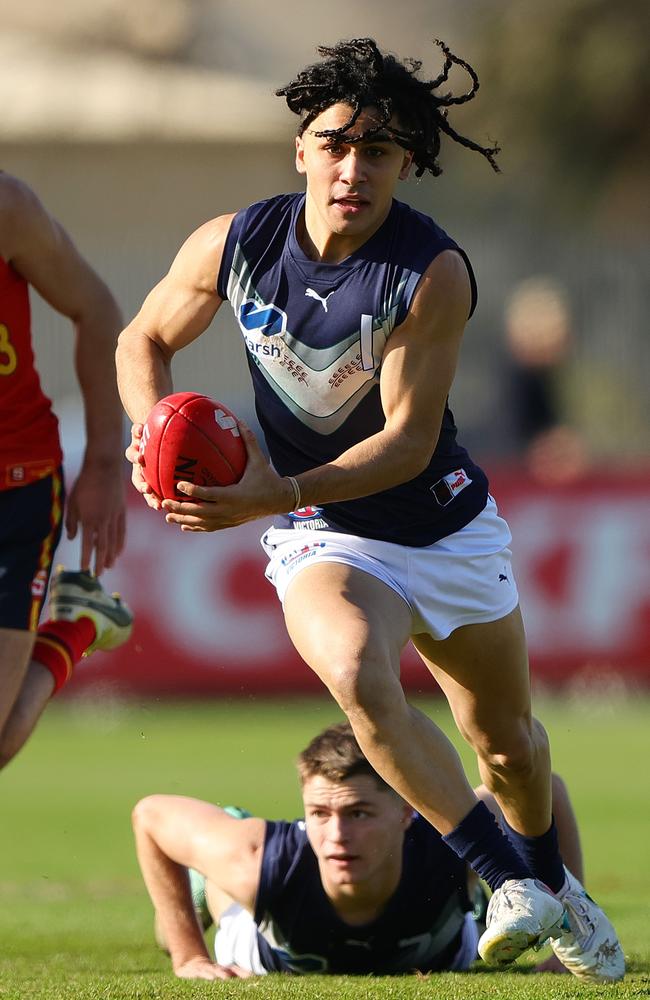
(541, 854)
(60, 645)
(480, 842)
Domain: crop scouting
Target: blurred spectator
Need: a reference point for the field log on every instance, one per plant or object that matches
(538, 334)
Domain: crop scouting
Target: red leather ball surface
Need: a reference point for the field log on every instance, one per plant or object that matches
(189, 437)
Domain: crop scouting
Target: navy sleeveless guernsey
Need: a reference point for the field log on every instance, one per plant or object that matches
(315, 334)
(420, 927)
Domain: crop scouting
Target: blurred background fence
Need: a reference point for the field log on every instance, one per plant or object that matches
(135, 122)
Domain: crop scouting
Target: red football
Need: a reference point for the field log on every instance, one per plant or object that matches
(191, 438)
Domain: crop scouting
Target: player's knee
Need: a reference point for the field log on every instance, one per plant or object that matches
(366, 688)
(515, 751)
(518, 748)
(8, 749)
(517, 763)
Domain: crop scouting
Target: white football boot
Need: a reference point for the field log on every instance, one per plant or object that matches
(521, 914)
(588, 946)
(77, 594)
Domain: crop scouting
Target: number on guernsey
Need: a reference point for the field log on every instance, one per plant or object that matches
(8, 357)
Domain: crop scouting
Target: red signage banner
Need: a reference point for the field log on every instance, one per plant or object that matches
(208, 622)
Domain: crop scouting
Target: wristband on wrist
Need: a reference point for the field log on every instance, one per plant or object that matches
(296, 491)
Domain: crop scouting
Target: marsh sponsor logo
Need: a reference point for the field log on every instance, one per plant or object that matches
(269, 320)
(265, 350)
(263, 325)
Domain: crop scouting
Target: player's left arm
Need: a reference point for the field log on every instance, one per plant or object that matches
(174, 833)
(46, 256)
(417, 371)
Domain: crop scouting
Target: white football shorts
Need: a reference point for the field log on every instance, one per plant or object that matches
(236, 942)
(463, 579)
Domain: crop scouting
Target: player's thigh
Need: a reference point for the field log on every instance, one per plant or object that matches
(15, 652)
(35, 691)
(30, 529)
(483, 671)
(343, 620)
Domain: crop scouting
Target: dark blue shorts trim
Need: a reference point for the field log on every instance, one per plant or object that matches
(30, 528)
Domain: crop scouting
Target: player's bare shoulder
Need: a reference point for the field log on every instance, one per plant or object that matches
(445, 285)
(201, 253)
(216, 230)
(19, 207)
(12, 191)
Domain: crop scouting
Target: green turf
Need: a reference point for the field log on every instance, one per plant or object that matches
(75, 921)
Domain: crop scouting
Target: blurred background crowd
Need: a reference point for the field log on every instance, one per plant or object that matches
(136, 121)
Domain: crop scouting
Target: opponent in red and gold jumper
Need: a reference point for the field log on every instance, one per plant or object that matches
(36, 661)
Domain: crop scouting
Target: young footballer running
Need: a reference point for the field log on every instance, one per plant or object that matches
(352, 307)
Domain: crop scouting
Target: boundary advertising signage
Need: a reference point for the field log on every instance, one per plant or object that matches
(208, 622)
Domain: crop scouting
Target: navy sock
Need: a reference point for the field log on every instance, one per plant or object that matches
(541, 854)
(480, 842)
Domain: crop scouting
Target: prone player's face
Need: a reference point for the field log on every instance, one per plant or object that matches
(350, 185)
(356, 828)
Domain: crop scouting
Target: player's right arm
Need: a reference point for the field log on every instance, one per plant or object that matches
(41, 251)
(177, 311)
(174, 833)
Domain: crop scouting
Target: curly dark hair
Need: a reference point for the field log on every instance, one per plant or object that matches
(335, 754)
(357, 73)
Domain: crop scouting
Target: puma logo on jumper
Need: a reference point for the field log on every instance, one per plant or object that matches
(311, 294)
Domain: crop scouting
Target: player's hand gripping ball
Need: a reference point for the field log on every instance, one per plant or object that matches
(190, 438)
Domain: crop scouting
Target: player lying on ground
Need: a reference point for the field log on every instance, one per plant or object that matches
(36, 661)
(362, 885)
(352, 308)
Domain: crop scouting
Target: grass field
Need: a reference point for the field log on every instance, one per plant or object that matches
(75, 921)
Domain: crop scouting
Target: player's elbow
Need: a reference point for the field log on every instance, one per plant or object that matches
(98, 316)
(136, 345)
(145, 813)
(130, 341)
(415, 452)
(560, 792)
(112, 311)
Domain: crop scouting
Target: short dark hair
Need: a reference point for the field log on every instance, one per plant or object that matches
(357, 73)
(335, 754)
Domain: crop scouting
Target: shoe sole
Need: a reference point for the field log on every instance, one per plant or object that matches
(505, 948)
(71, 605)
